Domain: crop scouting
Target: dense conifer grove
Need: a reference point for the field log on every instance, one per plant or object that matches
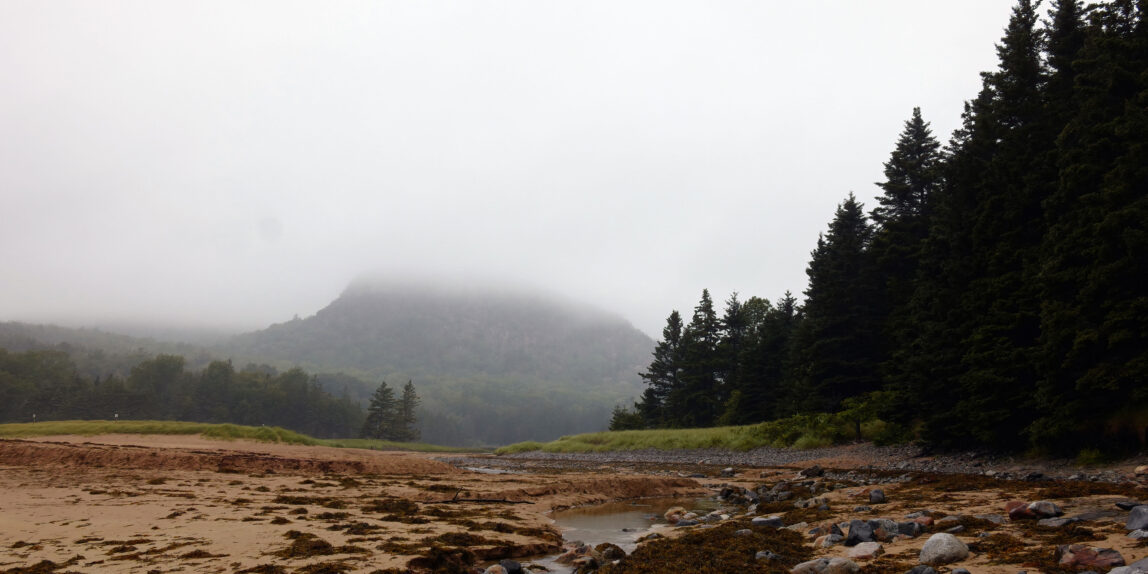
(46, 385)
(994, 296)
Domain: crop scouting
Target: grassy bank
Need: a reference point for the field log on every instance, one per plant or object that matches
(802, 432)
(208, 430)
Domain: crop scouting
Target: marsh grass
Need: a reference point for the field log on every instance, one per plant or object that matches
(223, 431)
(801, 432)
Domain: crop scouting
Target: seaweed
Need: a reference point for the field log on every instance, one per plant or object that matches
(716, 550)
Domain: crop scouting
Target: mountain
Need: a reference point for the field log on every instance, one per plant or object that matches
(421, 329)
(492, 365)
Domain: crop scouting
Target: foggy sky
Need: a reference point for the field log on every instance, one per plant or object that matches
(233, 164)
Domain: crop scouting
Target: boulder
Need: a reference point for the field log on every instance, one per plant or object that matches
(685, 522)
(828, 540)
(884, 529)
(943, 548)
(770, 521)
(673, 515)
(607, 551)
(866, 551)
(1045, 509)
(922, 569)
(827, 566)
(877, 497)
(1018, 510)
(911, 529)
(767, 556)
(859, 531)
(1137, 567)
(1082, 556)
(1138, 534)
(728, 472)
(811, 472)
(1138, 519)
(1056, 522)
(1127, 504)
(511, 566)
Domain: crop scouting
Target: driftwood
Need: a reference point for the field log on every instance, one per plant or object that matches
(456, 499)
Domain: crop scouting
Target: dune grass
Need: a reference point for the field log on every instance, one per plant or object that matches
(800, 432)
(207, 430)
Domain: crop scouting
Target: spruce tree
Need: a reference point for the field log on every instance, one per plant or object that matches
(1093, 345)
(661, 376)
(380, 413)
(405, 417)
(839, 339)
(901, 221)
(698, 400)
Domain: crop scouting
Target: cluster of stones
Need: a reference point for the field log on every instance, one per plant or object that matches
(864, 538)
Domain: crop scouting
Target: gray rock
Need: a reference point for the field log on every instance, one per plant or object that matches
(943, 548)
(866, 550)
(910, 528)
(1056, 522)
(859, 531)
(812, 471)
(884, 529)
(1127, 504)
(1138, 534)
(688, 522)
(862, 508)
(767, 555)
(922, 569)
(877, 497)
(743, 532)
(728, 472)
(959, 571)
(1045, 509)
(496, 569)
(826, 566)
(994, 518)
(1137, 567)
(771, 521)
(511, 566)
(956, 529)
(1138, 519)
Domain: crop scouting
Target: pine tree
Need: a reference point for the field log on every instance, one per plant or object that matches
(662, 374)
(380, 413)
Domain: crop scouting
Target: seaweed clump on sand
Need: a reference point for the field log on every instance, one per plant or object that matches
(717, 550)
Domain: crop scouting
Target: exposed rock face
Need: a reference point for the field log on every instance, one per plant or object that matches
(943, 548)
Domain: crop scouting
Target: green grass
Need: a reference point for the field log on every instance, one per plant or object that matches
(801, 432)
(208, 430)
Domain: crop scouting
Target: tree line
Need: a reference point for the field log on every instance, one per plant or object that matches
(46, 385)
(993, 297)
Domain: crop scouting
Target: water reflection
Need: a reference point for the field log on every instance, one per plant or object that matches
(620, 523)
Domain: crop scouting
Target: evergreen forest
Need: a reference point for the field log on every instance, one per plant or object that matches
(995, 294)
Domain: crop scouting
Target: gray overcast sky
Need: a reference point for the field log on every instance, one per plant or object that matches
(236, 163)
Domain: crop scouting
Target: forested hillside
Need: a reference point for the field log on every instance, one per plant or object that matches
(993, 297)
(491, 367)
